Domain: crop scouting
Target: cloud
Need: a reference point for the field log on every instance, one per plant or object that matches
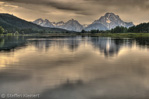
(48, 3)
(85, 11)
(122, 3)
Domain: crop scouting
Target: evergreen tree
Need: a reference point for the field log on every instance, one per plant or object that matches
(83, 31)
(119, 29)
(141, 28)
(1, 30)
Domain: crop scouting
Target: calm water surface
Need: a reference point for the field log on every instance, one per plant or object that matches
(76, 67)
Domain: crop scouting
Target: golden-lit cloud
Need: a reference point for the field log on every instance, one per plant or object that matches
(85, 11)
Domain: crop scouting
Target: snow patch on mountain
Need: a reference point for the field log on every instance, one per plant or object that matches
(110, 21)
(43, 23)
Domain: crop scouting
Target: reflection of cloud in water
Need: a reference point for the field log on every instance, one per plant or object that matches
(13, 76)
(110, 87)
(121, 78)
(46, 65)
(5, 60)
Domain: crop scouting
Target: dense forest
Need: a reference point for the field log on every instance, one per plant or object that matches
(141, 28)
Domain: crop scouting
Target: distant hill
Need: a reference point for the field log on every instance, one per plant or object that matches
(13, 23)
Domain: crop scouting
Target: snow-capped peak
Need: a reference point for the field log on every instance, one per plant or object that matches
(44, 23)
(106, 22)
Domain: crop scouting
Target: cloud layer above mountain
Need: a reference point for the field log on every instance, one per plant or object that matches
(85, 11)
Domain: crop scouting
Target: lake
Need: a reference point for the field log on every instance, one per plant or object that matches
(75, 67)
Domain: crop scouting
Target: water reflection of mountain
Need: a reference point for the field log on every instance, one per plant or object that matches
(107, 46)
(110, 46)
(42, 45)
(72, 43)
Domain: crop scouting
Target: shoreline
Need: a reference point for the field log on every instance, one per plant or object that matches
(112, 35)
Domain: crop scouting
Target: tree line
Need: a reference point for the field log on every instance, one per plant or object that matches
(141, 28)
(28, 31)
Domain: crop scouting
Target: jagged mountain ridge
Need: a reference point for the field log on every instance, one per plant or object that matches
(43, 23)
(106, 22)
(71, 25)
(110, 20)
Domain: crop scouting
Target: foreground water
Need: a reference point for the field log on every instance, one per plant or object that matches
(75, 67)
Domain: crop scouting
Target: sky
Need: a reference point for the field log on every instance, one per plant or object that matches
(85, 11)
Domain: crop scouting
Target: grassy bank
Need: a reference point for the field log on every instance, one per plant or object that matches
(113, 35)
(121, 35)
(9, 34)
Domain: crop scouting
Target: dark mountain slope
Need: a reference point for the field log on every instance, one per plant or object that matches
(12, 23)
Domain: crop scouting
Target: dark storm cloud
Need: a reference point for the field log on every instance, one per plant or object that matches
(84, 7)
(51, 3)
(126, 3)
(83, 10)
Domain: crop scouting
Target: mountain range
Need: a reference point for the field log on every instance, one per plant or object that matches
(12, 23)
(106, 22)
(71, 25)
